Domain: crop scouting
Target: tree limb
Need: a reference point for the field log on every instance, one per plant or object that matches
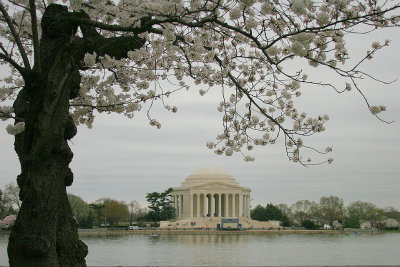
(16, 36)
(8, 59)
(35, 36)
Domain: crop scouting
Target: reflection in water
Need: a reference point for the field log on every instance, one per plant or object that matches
(234, 250)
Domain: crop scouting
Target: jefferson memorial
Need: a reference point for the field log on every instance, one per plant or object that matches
(208, 196)
(211, 192)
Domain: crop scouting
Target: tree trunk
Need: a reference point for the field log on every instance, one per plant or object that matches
(45, 232)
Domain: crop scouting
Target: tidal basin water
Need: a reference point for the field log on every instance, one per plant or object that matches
(235, 250)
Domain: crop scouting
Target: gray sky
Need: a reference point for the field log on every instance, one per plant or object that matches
(126, 158)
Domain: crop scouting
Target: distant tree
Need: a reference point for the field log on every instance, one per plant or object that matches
(391, 224)
(135, 210)
(391, 212)
(258, 213)
(80, 209)
(332, 209)
(269, 212)
(98, 213)
(11, 195)
(377, 220)
(304, 210)
(2, 205)
(287, 214)
(160, 205)
(351, 222)
(285, 221)
(360, 211)
(115, 211)
(285, 208)
(309, 225)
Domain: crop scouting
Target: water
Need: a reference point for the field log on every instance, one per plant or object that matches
(235, 250)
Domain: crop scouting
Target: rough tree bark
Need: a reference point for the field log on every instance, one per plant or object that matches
(45, 232)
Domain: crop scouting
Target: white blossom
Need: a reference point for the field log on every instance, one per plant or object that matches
(18, 128)
(235, 13)
(90, 59)
(377, 109)
(75, 4)
(298, 7)
(229, 151)
(323, 18)
(210, 145)
(248, 158)
(376, 45)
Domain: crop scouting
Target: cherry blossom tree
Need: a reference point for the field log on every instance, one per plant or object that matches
(69, 61)
(8, 221)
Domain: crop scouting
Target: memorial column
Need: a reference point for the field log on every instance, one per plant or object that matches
(212, 205)
(205, 206)
(191, 205)
(248, 206)
(219, 205)
(176, 205)
(240, 205)
(234, 205)
(198, 205)
(179, 206)
(226, 205)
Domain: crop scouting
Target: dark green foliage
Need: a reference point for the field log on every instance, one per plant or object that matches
(309, 225)
(98, 213)
(351, 222)
(392, 213)
(160, 206)
(87, 222)
(285, 222)
(270, 212)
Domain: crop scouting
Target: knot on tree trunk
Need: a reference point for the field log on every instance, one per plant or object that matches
(69, 177)
(74, 84)
(70, 128)
(21, 182)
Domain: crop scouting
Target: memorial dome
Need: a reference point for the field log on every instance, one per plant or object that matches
(208, 175)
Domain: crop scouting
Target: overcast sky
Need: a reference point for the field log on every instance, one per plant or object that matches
(126, 158)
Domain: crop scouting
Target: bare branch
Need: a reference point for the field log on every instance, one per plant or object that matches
(35, 36)
(8, 59)
(16, 36)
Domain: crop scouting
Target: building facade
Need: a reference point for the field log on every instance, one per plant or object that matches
(211, 192)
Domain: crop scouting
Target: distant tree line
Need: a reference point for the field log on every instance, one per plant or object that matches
(303, 213)
(331, 211)
(106, 212)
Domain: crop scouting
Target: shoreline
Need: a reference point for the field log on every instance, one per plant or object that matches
(85, 232)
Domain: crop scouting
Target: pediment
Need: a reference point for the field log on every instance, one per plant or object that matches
(216, 185)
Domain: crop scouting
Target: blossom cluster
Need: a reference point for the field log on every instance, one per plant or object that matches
(15, 129)
(239, 46)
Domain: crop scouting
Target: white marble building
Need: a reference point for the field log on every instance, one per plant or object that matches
(210, 192)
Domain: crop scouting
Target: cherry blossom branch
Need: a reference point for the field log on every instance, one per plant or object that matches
(16, 36)
(8, 59)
